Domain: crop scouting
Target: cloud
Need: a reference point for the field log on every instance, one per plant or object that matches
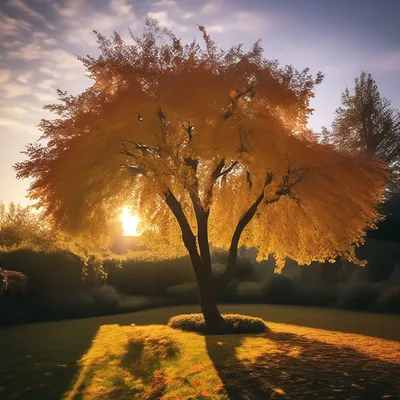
(241, 21)
(9, 44)
(215, 28)
(389, 62)
(13, 90)
(25, 77)
(165, 3)
(50, 41)
(210, 8)
(166, 22)
(15, 124)
(4, 75)
(189, 14)
(31, 51)
(20, 5)
(80, 20)
(9, 110)
(12, 26)
(121, 7)
(47, 84)
(50, 72)
(16, 90)
(163, 19)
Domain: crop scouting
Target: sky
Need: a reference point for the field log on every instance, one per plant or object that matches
(40, 38)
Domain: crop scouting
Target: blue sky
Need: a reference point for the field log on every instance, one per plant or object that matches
(38, 39)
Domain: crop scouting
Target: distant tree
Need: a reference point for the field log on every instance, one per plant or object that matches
(21, 226)
(367, 124)
(206, 145)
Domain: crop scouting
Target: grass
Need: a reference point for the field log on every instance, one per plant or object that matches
(308, 353)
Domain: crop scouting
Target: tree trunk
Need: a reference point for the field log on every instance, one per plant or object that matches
(208, 302)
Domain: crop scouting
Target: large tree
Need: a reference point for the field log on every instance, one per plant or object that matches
(366, 123)
(209, 146)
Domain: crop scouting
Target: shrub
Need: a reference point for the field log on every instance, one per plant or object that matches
(217, 269)
(244, 270)
(185, 292)
(137, 277)
(49, 273)
(249, 291)
(3, 282)
(234, 323)
(388, 300)
(280, 290)
(317, 295)
(358, 296)
(229, 292)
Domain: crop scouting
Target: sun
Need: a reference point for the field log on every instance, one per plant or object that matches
(130, 223)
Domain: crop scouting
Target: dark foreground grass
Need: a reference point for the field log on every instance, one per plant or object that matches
(309, 353)
(234, 323)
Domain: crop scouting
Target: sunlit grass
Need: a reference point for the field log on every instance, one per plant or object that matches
(156, 361)
(108, 358)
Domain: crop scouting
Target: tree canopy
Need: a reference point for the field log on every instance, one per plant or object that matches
(195, 130)
(367, 124)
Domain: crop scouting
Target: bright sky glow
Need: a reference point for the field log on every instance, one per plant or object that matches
(130, 223)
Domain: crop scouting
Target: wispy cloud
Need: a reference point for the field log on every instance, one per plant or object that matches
(211, 8)
(12, 26)
(31, 51)
(165, 21)
(4, 75)
(18, 125)
(23, 7)
(81, 18)
(240, 21)
(25, 77)
(188, 15)
(165, 3)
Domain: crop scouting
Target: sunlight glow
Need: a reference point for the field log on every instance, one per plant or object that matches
(130, 223)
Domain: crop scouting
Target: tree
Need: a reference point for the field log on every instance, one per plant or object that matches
(208, 147)
(21, 226)
(367, 124)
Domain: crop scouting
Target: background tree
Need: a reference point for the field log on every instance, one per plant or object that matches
(206, 144)
(22, 226)
(367, 124)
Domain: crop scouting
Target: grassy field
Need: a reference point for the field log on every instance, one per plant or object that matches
(310, 353)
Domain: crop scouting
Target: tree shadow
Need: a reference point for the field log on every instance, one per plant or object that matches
(293, 367)
(40, 361)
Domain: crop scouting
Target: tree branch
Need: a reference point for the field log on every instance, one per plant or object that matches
(234, 102)
(243, 222)
(201, 218)
(188, 237)
(226, 170)
(284, 189)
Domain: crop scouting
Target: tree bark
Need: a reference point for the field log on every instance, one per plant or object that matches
(201, 265)
(208, 301)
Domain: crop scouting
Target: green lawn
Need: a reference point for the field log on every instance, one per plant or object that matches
(309, 353)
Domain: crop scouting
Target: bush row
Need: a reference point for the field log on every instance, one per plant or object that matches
(382, 297)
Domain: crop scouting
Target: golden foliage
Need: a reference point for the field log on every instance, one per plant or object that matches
(210, 127)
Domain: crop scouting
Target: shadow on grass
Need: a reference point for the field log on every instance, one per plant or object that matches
(39, 363)
(293, 367)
